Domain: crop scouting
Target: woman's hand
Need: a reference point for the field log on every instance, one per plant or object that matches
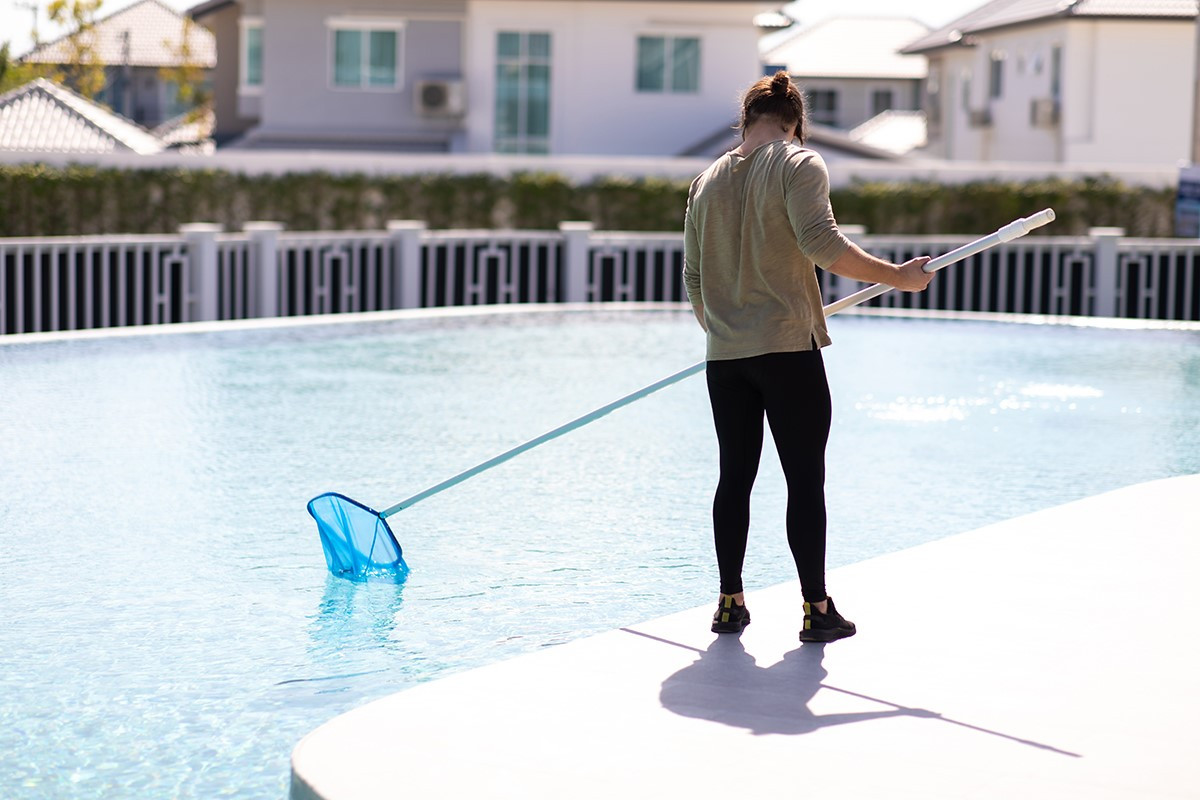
(910, 277)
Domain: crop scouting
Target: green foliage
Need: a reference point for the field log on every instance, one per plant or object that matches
(42, 200)
(924, 207)
(14, 73)
(84, 69)
(186, 74)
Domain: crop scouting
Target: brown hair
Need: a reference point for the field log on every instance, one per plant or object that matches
(775, 97)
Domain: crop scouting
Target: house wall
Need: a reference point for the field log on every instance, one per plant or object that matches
(231, 119)
(1026, 78)
(595, 108)
(1125, 94)
(1138, 82)
(300, 102)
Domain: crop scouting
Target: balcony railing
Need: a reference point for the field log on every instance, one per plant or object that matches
(202, 273)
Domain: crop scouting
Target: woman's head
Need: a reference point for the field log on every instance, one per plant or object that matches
(775, 100)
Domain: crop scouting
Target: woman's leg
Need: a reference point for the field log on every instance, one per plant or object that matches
(798, 408)
(738, 416)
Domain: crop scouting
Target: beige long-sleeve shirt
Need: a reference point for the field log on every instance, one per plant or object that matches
(755, 227)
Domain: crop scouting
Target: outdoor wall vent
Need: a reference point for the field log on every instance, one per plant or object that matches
(1044, 112)
(440, 97)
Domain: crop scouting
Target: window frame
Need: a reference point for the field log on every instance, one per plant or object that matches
(1056, 72)
(365, 26)
(244, 26)
(522, 142)
(996, 61)
(822, 116)
(879, 93)
(669, 41)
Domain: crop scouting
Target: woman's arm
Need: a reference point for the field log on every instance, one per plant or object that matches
(857, 264)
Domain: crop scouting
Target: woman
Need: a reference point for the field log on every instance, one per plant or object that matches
(757, 222)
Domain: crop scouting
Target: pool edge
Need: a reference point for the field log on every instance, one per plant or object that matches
(1062, 698)
(451, 312)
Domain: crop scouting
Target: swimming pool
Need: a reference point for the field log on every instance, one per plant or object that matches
(171, 630)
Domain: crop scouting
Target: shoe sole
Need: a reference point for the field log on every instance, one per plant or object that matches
(731, 628)
(826, 634)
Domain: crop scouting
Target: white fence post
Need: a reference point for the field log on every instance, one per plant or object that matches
(1108, 294)
(201, 238)
(577, 236)
(406, 261)
(264, 265)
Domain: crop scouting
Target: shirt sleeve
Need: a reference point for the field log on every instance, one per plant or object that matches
(691, 254)
(809, 210)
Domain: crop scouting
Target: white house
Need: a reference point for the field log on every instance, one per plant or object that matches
(135, 45)
(1082, 82)
(851, 68)
(603, 77)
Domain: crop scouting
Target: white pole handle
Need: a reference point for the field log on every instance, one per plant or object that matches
(1013, 230)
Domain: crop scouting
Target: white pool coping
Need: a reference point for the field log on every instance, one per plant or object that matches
(1050, 656)
(526, 309)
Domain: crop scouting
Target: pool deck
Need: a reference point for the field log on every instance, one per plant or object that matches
(1055, 655)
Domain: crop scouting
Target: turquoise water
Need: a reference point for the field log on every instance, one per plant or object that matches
(170, 628)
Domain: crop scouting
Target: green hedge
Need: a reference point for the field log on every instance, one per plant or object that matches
(40, 200)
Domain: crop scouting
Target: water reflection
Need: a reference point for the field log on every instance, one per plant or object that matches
(354, 616)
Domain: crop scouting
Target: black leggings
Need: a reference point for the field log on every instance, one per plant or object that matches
(791, 389)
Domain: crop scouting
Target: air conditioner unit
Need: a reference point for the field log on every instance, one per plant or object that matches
(1044, 112)
(979, 118)
(440, 97)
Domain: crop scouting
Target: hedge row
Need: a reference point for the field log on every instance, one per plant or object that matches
(41, 200)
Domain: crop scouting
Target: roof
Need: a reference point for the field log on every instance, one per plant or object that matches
(44, 116)
(893, 130)
(155, 35)
(1005, 13)
(831, 143)
(189, 127)
(208, 7)
(851, 47)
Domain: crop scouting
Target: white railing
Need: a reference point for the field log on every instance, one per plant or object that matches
(480, 267)
(201, 273)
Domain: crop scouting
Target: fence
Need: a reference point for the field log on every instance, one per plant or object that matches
(202, 273)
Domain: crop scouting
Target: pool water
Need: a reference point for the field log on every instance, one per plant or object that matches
(170, 628)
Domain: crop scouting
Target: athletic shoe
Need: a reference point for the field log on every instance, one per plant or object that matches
(825, 627)
(730, 617)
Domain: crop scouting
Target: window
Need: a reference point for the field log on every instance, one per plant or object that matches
(522, 92)
(1056, 72)
(366, 55)
(250, 76)
(996, 75)
(668, 64)
(882, 100)
(823, 106)
(933, 97)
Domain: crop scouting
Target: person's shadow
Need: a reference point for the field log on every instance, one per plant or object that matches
(726, 685)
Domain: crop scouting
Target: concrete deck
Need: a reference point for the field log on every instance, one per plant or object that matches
(1056, 655)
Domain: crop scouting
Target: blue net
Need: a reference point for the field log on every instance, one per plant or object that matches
(358, 542)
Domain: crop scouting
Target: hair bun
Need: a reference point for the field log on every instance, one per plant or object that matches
(780, 83)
